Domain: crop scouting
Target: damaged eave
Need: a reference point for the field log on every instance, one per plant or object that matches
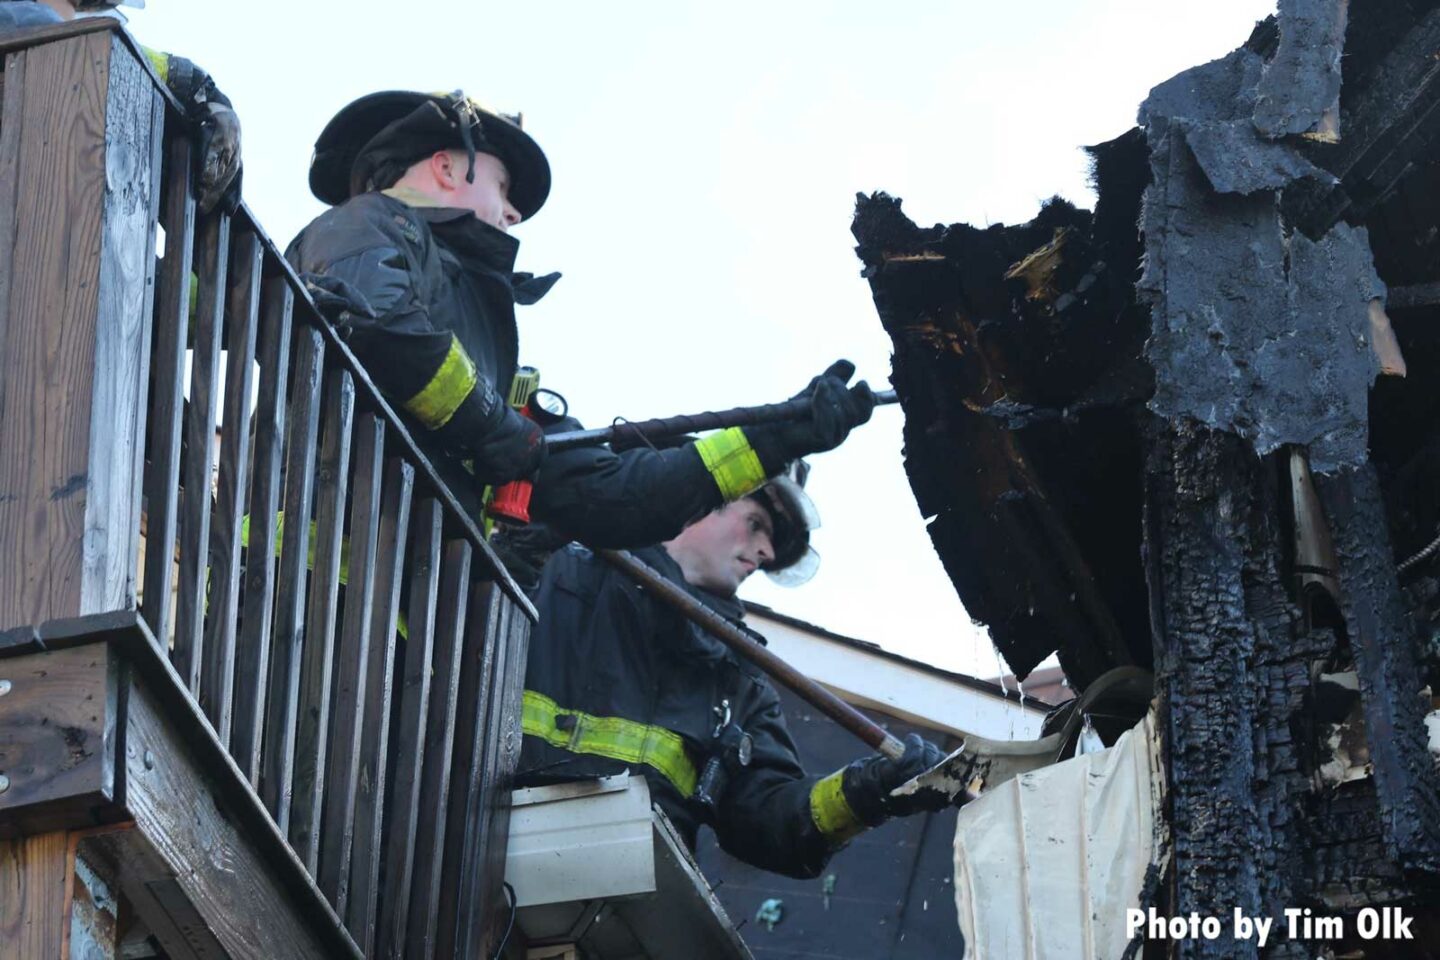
(969, 374)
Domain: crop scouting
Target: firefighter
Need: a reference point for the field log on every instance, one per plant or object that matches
(617, 679)
(216, 127)
(423, 190)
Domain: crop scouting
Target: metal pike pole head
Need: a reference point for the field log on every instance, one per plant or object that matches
(982, 764)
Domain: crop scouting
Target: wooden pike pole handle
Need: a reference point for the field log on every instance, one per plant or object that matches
(738, 640)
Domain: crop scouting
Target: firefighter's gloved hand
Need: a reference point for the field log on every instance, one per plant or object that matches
(217, 158)
(835, 410)
(524, 549)
(216, 130)
(512, 450)
(867, 783)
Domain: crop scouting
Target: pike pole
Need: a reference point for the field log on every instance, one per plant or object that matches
(745, 646)
(634, 434)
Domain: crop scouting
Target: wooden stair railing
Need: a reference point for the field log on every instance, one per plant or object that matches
(289, 731)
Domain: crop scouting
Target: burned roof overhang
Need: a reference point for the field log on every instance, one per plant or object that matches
(1017, 360)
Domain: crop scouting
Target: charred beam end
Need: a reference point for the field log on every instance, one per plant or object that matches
(1415, 297)
(1383, 639)
(61, 728)
(1391, 119)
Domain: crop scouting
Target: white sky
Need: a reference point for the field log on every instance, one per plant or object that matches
(706, 160)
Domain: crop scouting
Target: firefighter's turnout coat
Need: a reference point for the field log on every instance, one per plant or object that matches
(443, 345)
(617, 680)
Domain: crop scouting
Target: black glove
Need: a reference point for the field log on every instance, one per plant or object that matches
(217, 159)
(524, 549)
(512, 450)
(867, 783)
(337, 300)
(835, 410)
(217, 132)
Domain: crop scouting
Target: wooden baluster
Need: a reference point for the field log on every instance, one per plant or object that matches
(195, 505)
(243, 314)
(332, 484)
(304, 425)
(487, 821)
(482, 663)
(403, 802)
(451, 617)
(252, 652)
(360, 914)
(172, 324)
(343, 764)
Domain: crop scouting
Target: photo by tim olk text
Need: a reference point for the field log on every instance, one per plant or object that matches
(1297, 923)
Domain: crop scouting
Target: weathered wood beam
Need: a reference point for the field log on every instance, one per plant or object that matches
(77, 182)
(61, 720)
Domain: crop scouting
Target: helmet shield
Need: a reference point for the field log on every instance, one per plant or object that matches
(793, 516)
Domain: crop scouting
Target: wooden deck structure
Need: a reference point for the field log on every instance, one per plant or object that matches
(219, 736)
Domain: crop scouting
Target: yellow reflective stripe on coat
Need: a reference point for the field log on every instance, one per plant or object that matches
(831, 812)
(442, 396)
(612, 737)
(732, 462)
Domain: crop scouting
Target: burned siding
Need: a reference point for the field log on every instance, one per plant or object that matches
(1155, 435)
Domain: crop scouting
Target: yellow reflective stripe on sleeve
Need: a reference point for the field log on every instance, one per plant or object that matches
(442, 396)
(831, 812)
(160, 61)
(732, 462)
(612, 737)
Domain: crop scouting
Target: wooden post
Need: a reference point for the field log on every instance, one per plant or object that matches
(34, 896)
(79, 175)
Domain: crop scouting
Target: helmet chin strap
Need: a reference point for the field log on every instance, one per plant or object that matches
(466, 116)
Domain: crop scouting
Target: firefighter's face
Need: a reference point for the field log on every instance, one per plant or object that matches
(720, 550)
(488, 197)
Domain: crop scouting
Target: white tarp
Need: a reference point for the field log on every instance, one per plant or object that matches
(1047, 864)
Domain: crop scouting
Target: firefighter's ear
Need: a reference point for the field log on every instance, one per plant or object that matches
(447, 169)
